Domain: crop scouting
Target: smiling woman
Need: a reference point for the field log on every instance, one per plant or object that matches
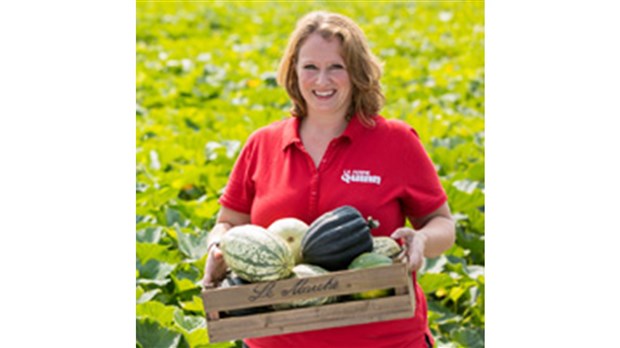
(294, 168)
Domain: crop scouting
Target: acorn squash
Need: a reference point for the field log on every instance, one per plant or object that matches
(337, 237)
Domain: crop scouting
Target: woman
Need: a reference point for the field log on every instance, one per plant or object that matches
(336, 151)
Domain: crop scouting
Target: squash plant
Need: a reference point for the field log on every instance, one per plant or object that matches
(205, 79)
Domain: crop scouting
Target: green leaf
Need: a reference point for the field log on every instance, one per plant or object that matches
(455, 293)
(199, 338)
(432, 282)
(195, 305)
(467, 186)
(462, 202)
(156, 311)
(200, 265)
(474, 271)
(154, 160)
(154, 270)
(232, 147)
(434, 265)
(189, 323)
(193, 246)
(469, 338)
(159, 197)
(149, 235)
(476, 221)
(149, 251)
(442, 315)
(188, 270)
(157, 282)
(150, 334)
(142, 296)
(183, 284)
(174, 216)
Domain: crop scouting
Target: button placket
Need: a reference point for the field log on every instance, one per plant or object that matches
(327, 155)
(314, 194)
(316, 171)
(314, 181)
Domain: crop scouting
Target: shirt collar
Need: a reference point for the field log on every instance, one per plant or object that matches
(353, 130)
(291, 131)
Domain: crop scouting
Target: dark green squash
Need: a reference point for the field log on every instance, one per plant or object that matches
(336, 238)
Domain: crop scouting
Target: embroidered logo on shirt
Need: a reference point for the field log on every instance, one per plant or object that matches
(361, 176)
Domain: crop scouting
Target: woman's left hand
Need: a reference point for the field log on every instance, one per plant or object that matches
(414, 244)
(434, 233)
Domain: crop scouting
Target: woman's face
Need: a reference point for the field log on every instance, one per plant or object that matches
(323, 79)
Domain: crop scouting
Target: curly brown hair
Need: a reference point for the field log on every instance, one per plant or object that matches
(363, 67)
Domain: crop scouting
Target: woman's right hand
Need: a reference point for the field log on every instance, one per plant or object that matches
(215, 267)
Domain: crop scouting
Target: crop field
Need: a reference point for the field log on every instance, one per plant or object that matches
(205, 79)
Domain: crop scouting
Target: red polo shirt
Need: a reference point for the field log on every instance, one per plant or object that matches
(383, 171)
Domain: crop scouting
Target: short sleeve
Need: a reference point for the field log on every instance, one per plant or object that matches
(422, 193)
(240, 190)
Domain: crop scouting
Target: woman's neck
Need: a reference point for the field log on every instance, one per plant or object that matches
(323, 127)
(316, 134)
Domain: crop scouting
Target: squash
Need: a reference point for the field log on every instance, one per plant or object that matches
(256, 255)
(386, 246)
(369, 260)
(336, 238)
(292, 230)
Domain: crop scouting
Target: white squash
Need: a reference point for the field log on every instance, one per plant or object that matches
(291, 230)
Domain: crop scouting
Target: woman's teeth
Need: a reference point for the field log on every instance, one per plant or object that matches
(325, 94)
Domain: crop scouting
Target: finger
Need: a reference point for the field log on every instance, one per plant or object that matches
(400, 257)
(213, 277)
(402, 233)
(216, 253)
(413, 263)
(206, 280)
(416, 263)
(215, 267)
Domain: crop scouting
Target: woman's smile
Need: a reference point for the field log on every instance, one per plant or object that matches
(325, 94)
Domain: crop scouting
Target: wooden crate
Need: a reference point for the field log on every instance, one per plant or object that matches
(397, 306)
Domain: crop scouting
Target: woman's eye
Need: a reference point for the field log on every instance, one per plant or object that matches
(310, 67)
(337, 66)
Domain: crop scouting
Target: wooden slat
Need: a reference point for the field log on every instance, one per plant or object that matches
(332, 284)
(411, 291)
(313, 318)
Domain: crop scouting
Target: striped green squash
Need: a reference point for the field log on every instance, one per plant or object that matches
(385, 246)
(256, 255)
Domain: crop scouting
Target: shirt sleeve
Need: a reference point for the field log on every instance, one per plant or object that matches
(422, 192)
(240, 190)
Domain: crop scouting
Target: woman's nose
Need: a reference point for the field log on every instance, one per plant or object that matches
(322, 78)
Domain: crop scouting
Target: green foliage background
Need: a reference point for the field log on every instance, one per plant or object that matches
(206, 79)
